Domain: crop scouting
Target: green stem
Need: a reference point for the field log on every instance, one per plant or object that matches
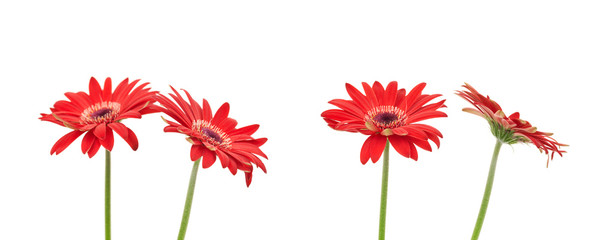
(188, 200)
(107, 197)
(488, 188)
(384, 185)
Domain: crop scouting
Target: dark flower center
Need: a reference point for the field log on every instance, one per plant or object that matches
(385, 118)
(100, 113)
(211, 134)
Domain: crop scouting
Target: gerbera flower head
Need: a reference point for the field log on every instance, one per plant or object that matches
(509, 129)
(387, 114)
(99, 113)
(214, 136)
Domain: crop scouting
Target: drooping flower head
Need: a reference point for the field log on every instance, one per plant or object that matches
(214, 136)
(100, 112)
(509, 129)
(387, 114)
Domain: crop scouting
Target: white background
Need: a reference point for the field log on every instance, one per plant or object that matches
(278, 63)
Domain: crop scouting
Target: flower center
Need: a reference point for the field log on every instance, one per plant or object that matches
(101, 113)
(212, 136)
(384, 117)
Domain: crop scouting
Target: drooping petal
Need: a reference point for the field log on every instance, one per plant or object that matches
(94, 148)
(196, 152)
(365, 152)
(65, 141)
(209, 157)
(87, 142)
(400, 144)
(376, 147)
(100, 131)
(248, 178)
(108, 141)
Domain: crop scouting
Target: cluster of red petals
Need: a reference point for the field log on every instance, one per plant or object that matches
(387, 114)
(214, 136)
(522, 130)
(100, 112)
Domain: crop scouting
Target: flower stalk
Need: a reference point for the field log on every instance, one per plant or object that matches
(188, 200)
(485, 203)
(107, 197)
(384, 185)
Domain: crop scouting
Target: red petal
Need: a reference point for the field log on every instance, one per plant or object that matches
(120, 129)
(379, 91)
(248, 178)
(95, 92)
(390, 93)
(415, 93)
(241, 146)
(196, 152)
(129, 114)
(195, 107)
(207, 111)
(87, 142)
(376, 147)
(100, 131)
(400, 144)
(422, 144)
(125, 133)
(233, 167)
(357, 96)
(370, 95)
(425, 115)
(132, 139)
(365, 152)
(227, 124)
(224, 159)
(94, 148)
(65, 141)
(108, 141)
(413, 152)
(247, 130)
(107, 95)
(221, 113)
(209, 158)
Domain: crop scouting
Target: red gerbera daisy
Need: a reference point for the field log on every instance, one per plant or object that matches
(214, 136)
(387, 114)
(509, 129)
(100, 112)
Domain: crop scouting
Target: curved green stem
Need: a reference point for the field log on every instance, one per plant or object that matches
(188, 200)
(487, 196)
(384, 185)
(107, 197)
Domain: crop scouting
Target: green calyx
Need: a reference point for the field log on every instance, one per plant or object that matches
(504, 135)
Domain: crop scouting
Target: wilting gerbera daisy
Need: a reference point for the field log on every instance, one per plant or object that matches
(387, 115)
(212, 137)
(507, 129)
(97, 114)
